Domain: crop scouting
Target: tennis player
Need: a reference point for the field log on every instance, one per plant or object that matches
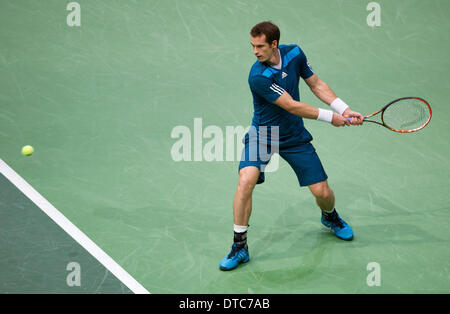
(274, 83)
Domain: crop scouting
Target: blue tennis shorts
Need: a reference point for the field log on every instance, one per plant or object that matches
(302, 157)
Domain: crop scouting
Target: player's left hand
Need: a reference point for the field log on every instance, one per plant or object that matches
(355, 117)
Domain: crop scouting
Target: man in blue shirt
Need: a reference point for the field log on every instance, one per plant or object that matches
(277, 126)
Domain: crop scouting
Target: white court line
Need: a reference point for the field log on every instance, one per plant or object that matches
(71, 229)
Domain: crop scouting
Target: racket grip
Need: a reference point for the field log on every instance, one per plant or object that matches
(348, 119)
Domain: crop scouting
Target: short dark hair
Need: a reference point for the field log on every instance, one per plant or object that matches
(267, 28)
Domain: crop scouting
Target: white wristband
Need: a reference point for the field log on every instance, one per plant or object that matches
(338, 105)
(325, 115)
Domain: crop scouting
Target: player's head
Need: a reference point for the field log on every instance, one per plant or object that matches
(265, 37)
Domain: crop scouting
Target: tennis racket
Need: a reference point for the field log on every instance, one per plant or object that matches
(403, 115)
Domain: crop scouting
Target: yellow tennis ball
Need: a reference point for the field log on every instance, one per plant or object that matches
(27, 150)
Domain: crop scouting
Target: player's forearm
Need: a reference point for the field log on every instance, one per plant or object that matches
(306, 111)
(324, 92)
(303, 110)
(300, 109)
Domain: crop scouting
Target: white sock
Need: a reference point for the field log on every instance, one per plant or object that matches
(328, 211)
(240, 229)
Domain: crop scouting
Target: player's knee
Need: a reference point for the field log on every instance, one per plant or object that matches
(323, 192)
(247, 181)
(245, 184)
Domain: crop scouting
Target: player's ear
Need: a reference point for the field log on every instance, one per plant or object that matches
(274, 44)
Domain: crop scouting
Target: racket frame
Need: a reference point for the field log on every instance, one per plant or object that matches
(396, 130)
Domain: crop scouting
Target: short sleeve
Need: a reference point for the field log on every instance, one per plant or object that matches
(265, 88)
(304, 66)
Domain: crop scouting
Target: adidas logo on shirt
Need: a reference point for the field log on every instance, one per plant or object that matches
(283, 75)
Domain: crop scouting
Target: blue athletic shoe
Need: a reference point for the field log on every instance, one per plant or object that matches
(237, 256)
(340, 228)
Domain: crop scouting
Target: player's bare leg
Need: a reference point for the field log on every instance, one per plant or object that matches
(324, 195)
(242, 207)
(325, 199)
(242, 203)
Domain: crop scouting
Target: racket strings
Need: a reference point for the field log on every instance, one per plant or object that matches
(407, 114)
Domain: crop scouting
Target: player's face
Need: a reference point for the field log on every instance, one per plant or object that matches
(261, 49)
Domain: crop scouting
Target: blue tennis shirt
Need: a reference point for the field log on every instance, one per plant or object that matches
(267, 84)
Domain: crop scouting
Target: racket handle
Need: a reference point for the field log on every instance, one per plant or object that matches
(348, 119)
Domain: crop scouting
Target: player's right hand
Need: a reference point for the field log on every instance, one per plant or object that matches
(339, 120)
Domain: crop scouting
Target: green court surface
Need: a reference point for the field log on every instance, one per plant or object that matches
(100, 102)
(36, 253)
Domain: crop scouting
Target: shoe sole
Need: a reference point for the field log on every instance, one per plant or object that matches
(329, 227)
(349, 239)
(227, 269)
